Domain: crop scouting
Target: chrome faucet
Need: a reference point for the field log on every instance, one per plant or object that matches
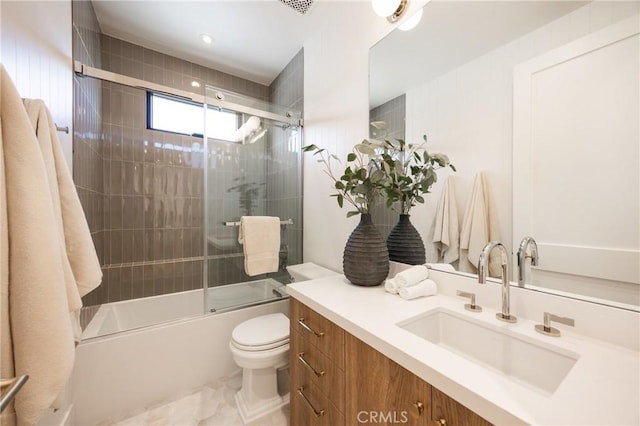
(522, 257)
(483, 269)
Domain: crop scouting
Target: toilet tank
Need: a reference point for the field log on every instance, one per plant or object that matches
(309, 271)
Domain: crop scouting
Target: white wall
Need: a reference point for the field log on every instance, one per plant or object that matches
(36, 52)
(467, 112)
(336, 112)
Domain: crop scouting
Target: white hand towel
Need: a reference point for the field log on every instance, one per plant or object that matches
(423, 288)
(391, 286)
(260, 237)
(446, 235)
(412, 276)
(479, 226)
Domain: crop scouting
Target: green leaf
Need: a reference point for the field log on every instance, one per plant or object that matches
(309, 148)
(453, 167)
(352, 213)
(339, 185)
(377, 176)
(360, 189)
(351, 157)
(340, 200)
(365, 149)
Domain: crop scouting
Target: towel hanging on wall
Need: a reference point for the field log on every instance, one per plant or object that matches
(446, 234)
(479, 226)
(260, 238)
(39, 242)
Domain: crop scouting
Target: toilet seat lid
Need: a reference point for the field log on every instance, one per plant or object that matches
(262, 330)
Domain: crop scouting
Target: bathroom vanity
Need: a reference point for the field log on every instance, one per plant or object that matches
(375, 389)
(361, 355)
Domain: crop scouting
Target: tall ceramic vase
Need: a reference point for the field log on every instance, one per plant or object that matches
(366, 260)
(404, 243)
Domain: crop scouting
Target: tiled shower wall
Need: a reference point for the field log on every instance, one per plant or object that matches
(392, 112)
(142, 189)
(87, 140)
(284, 168)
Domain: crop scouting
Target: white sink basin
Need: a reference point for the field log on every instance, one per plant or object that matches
(525, 360)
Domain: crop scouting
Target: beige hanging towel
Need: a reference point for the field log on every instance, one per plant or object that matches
(260, 238)
(37, 288)
(85, 270)
(446, 233)
(479, 226)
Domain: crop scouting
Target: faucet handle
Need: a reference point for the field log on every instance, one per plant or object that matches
(546, 328)
(470, 306)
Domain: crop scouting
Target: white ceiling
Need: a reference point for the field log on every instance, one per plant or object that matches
(450, 34)
(253, 39)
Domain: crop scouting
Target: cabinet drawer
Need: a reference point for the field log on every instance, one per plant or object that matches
(309, 406)
(452, 412)
(318, 370)
(327, 337)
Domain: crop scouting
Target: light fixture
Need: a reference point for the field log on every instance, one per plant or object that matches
(195, 84)
(206, 38)
(390, 9)
(411, 22)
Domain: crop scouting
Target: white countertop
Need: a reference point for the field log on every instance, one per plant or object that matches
(602, 388)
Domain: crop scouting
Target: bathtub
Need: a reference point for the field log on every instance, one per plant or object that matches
(140, 364)
(136, 313)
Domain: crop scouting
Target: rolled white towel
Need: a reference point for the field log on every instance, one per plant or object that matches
(423, 288)
(391, 286)
(412, 276)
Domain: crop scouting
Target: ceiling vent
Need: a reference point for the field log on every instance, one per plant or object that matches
(301, 6)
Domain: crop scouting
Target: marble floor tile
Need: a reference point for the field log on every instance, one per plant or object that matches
(211, 405)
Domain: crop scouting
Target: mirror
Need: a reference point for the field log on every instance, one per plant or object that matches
(488, 82)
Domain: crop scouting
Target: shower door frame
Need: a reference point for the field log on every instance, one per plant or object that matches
(84, 70)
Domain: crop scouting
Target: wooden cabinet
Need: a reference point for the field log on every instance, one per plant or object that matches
(339, 380)
(447, 411)
(317, 369)
(382, 392)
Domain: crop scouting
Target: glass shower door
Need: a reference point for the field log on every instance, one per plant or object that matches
(253, 169)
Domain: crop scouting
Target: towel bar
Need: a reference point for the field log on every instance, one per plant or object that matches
(62, 129)
(15, 383)
(282, 222)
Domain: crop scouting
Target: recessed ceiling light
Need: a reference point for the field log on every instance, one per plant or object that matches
(195, 84)
(206, 38)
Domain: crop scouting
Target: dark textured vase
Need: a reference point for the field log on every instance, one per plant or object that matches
(404, 243)
(366, 260)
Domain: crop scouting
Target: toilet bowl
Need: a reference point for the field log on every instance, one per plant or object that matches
(260, 346)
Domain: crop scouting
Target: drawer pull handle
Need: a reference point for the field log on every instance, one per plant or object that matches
(306, 364)
(441, 422)
(309, 329)
(309, 404)
(417, 408)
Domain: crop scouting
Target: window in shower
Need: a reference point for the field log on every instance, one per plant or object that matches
(176, 115)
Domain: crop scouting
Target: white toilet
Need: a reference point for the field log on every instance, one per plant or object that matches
(260, 346)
